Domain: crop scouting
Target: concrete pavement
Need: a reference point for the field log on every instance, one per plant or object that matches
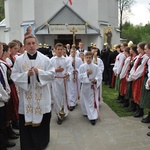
(111, 133)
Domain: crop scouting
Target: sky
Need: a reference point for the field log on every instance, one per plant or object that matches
(139, 12)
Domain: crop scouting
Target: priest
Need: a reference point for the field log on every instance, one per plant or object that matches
(32, 73)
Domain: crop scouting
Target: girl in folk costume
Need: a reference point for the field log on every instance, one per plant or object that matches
(63, 70)
(134, 55)
(145, 98)
(100, 64)
(123, 74)
(14, 47)
(4, 97)
(90, 77)
(12, 105)
(137, 74)
(74, 83)
(117, 69)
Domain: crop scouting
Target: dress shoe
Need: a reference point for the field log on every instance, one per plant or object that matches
(13, 136)
(10, 144)
(72, 108)
(146, 120)
(126, 104)
(59, 121)
(15, 124)
(148, 134)
(140, 113)
(93, 122)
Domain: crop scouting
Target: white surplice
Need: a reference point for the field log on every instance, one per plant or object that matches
(100, 64)
(34, 97)
(136, 73)
(119, 63)
(74, 85)
(59, 85)
(4, 92)
(125, 68)
(87, 93)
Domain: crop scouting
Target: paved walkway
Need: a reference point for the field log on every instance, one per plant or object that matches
(111, 133)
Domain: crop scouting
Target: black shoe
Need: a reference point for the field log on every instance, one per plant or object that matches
(131, 109)
(140, 113)
(13, 136)
(120, 101)
(59, 121)
(10, 144)
(16, 133)
(146, 120)
(93, 122)
(148, 134)
(85, 115)
(149, 127)
(126, 104)
(72, 108)
(10, 133)
(15, 124)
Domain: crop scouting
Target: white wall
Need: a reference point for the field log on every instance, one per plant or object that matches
(2, 34)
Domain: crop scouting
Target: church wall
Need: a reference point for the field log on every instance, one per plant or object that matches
(2, 34)
(13, 15)
(103, 10)
(28, 10)
(92, 11)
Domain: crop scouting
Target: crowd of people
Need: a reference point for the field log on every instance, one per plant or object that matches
(129, 74)
(32, 84)
(29, 81)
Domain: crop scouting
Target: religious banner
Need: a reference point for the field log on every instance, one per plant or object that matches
(65, 29)
(108, 35)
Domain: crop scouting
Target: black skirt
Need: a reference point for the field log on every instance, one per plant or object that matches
(35, 138)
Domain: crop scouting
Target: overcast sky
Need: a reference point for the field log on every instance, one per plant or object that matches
(140, 12)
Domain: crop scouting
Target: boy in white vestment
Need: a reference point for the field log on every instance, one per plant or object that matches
(100, 64)
(32, 72)
(74, 83)
(63, 69)
(90, 77)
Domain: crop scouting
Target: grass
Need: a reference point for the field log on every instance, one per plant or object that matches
(109, 95)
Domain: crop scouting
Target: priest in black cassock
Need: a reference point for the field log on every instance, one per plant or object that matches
(32, 73)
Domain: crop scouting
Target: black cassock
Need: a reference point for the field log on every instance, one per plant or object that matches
(35, 138)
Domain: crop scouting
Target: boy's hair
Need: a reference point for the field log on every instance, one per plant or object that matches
(58, 45)
(88, 54)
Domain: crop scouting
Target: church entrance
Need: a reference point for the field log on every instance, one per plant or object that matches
(66, 39)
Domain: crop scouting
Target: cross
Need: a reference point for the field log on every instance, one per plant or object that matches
(73, 30)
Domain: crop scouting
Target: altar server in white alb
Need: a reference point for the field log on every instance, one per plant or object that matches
(63, 70)
(32, 73)
(74, 83)
(100, 64)
(90, 77)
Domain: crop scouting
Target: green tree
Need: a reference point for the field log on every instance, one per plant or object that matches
(136, 33)
(2, 12)
(124, 5)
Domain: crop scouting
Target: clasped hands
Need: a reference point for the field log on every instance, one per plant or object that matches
(32, 70)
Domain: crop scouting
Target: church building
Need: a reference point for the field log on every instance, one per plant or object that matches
(53, 21)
